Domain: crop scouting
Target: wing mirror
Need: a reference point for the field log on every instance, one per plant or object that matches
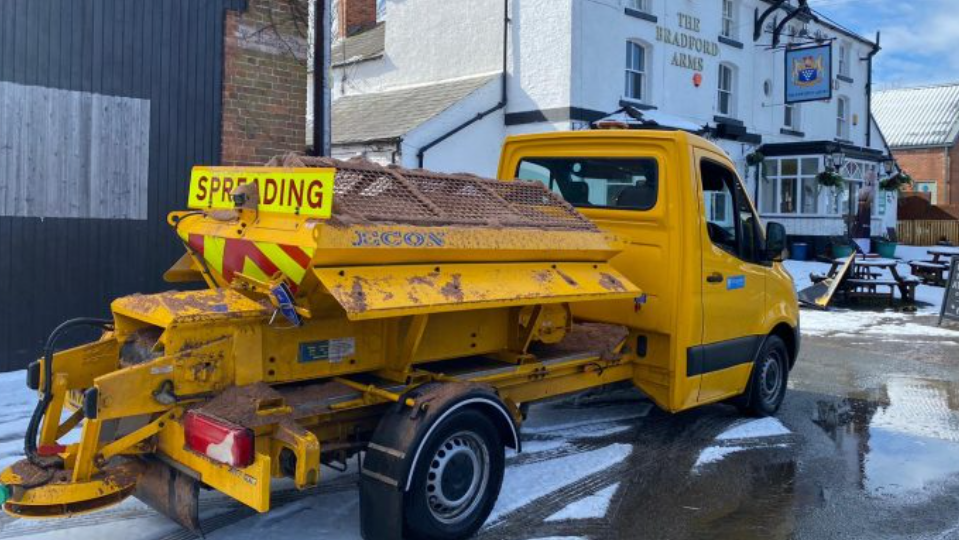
(775, 241)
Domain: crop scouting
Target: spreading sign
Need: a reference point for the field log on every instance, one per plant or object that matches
(305, 192)
(809, 74)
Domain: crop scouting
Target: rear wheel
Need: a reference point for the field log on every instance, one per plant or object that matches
(457, 479)
(767, 384)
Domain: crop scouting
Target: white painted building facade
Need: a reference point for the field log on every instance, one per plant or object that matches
(571, 62)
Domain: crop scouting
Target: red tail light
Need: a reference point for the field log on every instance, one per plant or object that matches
(218, 440)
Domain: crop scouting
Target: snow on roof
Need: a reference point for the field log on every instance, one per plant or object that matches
(392, 114)
(921, 116)
(653, 118)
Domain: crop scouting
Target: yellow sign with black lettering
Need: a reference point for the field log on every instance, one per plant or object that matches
(304, 192)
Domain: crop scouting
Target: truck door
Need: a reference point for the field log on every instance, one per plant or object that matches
(734, 283)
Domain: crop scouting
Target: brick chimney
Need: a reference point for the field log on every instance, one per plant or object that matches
(355, 16)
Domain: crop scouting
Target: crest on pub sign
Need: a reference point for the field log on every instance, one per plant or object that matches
(808, 73)
(808, 70)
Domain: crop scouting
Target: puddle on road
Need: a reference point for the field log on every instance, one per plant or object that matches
(900, 440)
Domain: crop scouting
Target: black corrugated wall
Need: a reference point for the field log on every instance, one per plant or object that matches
(169, 52)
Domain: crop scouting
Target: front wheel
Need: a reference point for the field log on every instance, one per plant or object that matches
(767, 384)
(457, 479)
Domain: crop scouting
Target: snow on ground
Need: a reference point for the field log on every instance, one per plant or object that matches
(525, 483)
(755, 429)
(560, 538)
(885, 324)
(714, 454)
(593, 507)
(747, 435)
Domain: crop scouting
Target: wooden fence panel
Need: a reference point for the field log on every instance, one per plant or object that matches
(928, 232)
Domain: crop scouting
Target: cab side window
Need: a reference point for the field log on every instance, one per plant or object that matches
(731, 224)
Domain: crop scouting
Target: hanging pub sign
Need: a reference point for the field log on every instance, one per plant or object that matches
(809, 73)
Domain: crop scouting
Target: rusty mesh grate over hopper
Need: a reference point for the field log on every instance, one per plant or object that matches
(367, 192)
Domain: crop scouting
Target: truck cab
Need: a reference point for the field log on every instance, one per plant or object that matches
(715, 290)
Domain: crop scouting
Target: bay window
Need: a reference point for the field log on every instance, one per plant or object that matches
(789, 186)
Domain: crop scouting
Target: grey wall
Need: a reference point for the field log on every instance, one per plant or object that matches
(105, 105)
(72, 154)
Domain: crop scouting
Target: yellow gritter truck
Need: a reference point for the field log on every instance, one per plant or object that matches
(409, 318)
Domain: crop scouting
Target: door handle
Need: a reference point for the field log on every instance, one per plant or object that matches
(715, 277)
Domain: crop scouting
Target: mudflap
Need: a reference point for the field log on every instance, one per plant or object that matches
(391, 455)
(172, 493)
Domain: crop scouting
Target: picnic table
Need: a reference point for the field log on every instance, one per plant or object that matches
(865, 278)
(933, 271)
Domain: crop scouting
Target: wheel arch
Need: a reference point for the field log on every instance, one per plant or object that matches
(490, 406)
(790, 336)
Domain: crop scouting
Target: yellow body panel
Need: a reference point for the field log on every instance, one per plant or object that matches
(392, 291)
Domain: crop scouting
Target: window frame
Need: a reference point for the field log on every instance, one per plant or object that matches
(774, 182)
(643, 73)
(738, 198)
(730, 92)
(555, 185)
(843, 130)
(844, 59)
(642, 6)
(728, 21)
(792, 111)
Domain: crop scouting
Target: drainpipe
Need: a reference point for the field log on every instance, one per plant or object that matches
(321, 67)
(947, 196)
(504, 98)
(875, 50)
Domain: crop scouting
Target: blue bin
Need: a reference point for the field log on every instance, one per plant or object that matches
(800, 251)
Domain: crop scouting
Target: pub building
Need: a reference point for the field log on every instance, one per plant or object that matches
(439, 84)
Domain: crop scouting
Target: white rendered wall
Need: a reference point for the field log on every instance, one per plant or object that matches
(430, 41)
(601, 30)
(475, 149)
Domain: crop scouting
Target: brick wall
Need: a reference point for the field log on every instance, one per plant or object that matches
(925, 165)
(951, 194)
(355, 16)
(265, 82)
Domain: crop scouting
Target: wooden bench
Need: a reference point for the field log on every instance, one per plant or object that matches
(908, 288)
(869, 288)
(930, 272)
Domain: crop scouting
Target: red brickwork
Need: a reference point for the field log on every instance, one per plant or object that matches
(264, 82)
(934, 165)
(356, 16)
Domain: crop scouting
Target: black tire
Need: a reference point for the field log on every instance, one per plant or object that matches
(457, 479)
(767, 384)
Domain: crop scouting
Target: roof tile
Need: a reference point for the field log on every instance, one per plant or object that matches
(392, 114)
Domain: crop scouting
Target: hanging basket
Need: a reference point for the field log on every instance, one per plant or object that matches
(756, 158)
(830, 179)
(895, 182)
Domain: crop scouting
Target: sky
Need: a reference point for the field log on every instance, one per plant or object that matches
(920, 38)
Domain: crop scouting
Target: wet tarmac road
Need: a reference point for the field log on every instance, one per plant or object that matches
(865, 447)
(870, 451)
